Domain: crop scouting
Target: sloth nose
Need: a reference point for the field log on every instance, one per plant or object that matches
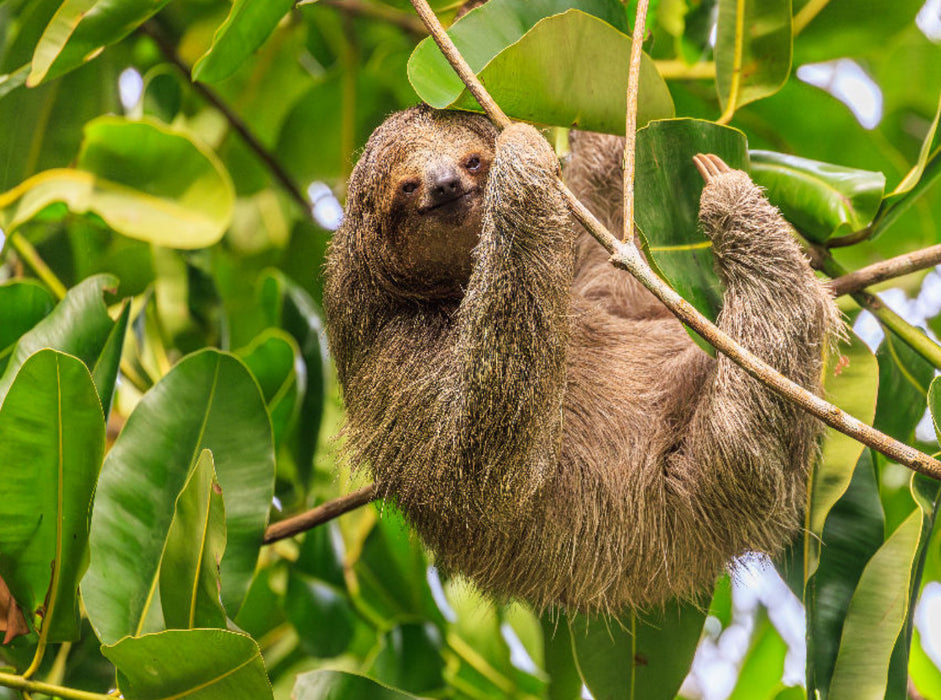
(445, 184)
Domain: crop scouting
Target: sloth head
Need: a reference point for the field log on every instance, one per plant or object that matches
(415, 203)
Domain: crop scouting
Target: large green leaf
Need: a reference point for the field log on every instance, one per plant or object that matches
(248, 25)
(753, 50)
(904, 378)
(191, 664)
(410, 658)
(637, 657)
(146, 180)
(52, 435)
(79, 325)
(851, 382)
(275, 361)
(573, 62)
(340, 685)
(821, 199)
(851, 536)
(208, 401)
(289, 306)
(81, 29)
(189, 571)
(23, 304)
(321, 614)
(672, 234)
(876, 616)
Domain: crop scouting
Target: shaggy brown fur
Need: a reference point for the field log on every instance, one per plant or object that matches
(546, 425)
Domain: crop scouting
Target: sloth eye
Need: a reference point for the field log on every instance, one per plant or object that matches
(473, 164)
(409, 187)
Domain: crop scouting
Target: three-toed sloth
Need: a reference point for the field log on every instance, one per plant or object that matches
(546, 425)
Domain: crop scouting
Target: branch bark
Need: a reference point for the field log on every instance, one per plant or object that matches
(321, 514)
(630, 127)
(627, 257)
(881, 271)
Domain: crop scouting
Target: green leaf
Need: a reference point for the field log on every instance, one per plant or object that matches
(339, 685)
(753, 50)
(876, 616)
(851, 383)
(79, 325)
(574, 63)
(565, 682)
(207, 401)
(914, 175)
(321, 614)
(762, 669)
(52, 435)
(821, 199)
(191, 664)
(81, 29)
(637, 657)
(853, 532)
(275, 361)
(904, 378)
(248, 25)
(23, 304)
(146, 180)
(665, 173)
(409, 658)
(189, 570)
(291, 307)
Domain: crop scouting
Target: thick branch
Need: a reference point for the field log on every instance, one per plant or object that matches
(627, 257)
(240, 127)
(321, 514)
(887, 269)
(630, 127)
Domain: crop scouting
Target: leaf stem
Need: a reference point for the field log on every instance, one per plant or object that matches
(28, 255)
(10, 680)
(630, 119)
(856, 281)
(677, 69)
(321, 514)
(627, 257)
(240, 127)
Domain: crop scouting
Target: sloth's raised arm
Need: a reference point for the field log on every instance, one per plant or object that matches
(745, 451)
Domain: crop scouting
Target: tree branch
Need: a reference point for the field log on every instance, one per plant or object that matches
(627, 257)
(321, 514)
(10, 680)
(630, 126)
(898, 266)
(239, 126)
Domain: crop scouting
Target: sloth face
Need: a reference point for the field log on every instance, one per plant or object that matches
(435, 201)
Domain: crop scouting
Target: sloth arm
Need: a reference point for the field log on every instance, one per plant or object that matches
(475, 408)
(739, 471)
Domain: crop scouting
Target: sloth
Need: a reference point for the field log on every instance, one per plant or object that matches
(545, 424)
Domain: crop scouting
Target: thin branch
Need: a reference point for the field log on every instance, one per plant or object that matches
(240, 127)
(459, 64)
(849, 239)
(630, 119)
(10, 680)
(627, 257)
(321, 514)
(905, 264)
(28, 255)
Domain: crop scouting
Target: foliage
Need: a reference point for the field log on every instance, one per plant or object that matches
(162, 287)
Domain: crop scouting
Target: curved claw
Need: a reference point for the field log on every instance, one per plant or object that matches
(710, 166)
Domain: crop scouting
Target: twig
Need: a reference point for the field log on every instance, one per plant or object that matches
(627, 257)
(459, 64)
(321, 514)
(28, 255)
(10, 680)
(279, 173)
(850, 238)
(886, 269)
(630, 120)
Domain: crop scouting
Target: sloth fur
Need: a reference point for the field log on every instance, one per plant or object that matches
(545, 424)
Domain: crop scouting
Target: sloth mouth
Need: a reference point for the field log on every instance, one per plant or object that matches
(450, 203)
